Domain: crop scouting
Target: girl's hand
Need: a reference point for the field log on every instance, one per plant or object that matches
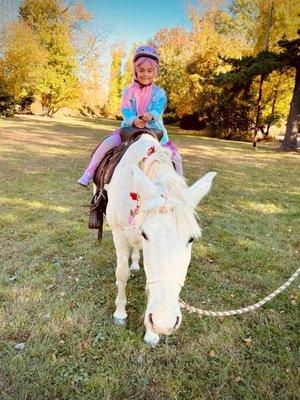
(147, 117)
(139, 123)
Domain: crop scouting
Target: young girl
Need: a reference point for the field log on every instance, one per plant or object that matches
(143, 104)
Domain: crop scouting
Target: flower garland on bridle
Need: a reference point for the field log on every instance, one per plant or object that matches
(135, 195)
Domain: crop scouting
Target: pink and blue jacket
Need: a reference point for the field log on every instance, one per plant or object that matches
(156, 107)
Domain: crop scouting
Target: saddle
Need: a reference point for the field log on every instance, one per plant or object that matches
(105, 170)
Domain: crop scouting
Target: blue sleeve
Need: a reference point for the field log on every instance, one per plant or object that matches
(159, 105)
(127, 113)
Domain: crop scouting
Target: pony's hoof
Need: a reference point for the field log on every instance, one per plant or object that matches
(120, 321)
(134, 266)
(151, 338)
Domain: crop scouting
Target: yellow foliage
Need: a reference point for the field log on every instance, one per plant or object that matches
(22, 59)
(114, 95)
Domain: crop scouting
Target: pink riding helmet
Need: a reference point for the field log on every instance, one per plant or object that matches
(146, 51)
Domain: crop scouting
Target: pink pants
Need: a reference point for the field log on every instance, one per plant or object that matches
(114, 140)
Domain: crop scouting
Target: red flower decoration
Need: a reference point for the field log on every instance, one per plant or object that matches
(134, 196)
(151, 150)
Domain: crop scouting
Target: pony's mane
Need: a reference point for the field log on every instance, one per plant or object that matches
(159, 168)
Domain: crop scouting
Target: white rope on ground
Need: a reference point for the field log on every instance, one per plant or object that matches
(240, 310)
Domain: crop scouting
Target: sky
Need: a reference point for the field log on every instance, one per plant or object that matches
(135, 21)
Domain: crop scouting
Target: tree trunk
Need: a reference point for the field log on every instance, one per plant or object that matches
(258, 112)
(272, 111)
(291, 133)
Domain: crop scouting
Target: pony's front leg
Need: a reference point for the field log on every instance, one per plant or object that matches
(122, 275)
(135, 258)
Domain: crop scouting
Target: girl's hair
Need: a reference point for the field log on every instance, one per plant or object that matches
(142, 95)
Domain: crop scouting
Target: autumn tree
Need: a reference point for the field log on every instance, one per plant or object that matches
(115, 79)
(213, 39)
(52, 23)
(175, 49)
(127, 68)
(92, 73)
(242, 31)
(22, 61)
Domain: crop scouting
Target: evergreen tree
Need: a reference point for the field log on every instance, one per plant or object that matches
(245, 70)
(292, 58)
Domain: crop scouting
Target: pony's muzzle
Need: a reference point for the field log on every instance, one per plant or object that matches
(162, 325)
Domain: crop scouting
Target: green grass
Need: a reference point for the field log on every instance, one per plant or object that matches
(61, 301)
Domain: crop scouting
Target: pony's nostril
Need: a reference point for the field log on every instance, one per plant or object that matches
(176, 323)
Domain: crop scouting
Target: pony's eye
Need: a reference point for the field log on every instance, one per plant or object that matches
(191, 239)
(144, 235)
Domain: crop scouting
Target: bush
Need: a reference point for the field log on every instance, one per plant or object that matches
(25, 104)
(103, 111)
(170, 118)
(7, 105)
(86, 111)
(192, 122)
(230, 121)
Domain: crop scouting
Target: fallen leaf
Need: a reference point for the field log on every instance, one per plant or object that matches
(248, 342)
(212, 354)
(73, 304)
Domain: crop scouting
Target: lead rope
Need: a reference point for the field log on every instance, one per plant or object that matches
(240, 310)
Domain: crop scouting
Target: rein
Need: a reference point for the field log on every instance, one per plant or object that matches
(162, 209)
(240, 311)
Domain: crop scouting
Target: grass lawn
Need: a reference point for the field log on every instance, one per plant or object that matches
(57, 286)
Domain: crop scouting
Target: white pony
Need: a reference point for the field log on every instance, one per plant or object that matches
(151, 208)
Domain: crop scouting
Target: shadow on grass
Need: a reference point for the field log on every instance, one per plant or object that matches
(247, 250)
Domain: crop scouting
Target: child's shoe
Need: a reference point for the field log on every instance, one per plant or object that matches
(85, 179)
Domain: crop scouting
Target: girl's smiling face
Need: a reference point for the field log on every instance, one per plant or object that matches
(145, 73)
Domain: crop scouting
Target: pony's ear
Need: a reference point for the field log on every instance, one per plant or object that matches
(143, 184)
(201, 188)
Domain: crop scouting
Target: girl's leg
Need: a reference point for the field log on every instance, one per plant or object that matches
(109, 143)
(176, 157)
